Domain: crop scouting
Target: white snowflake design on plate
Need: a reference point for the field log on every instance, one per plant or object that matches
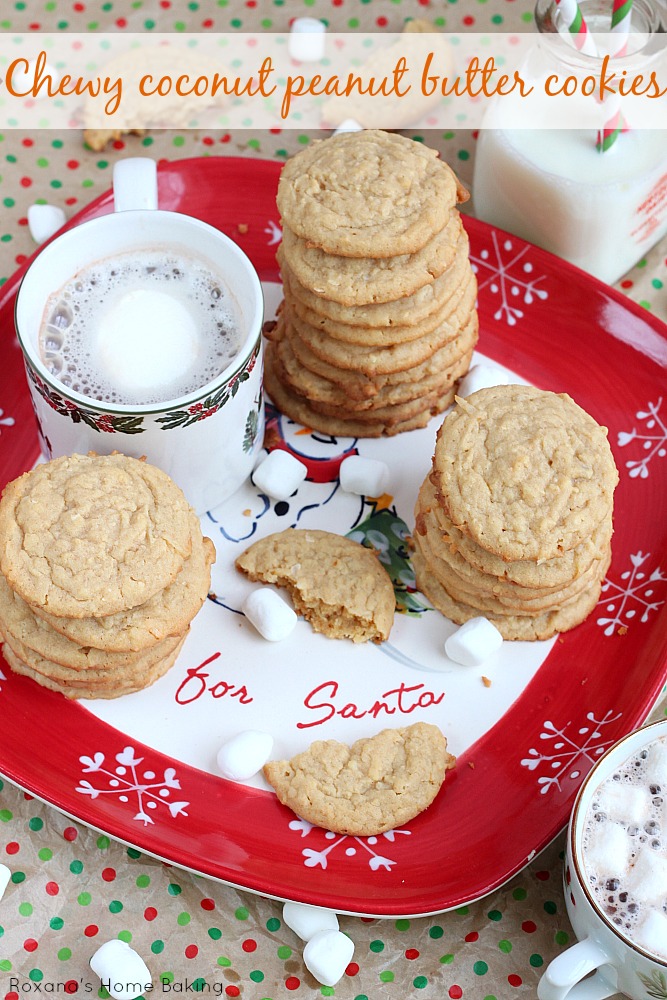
(653, 439)
(6, 421)
(568, 752)
(274, 232)
(2, 678)
(635, 593)
(124, 779)
(510, 276)
(320, 859)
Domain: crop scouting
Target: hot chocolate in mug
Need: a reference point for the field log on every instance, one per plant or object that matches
(615, 877)
(141, 333)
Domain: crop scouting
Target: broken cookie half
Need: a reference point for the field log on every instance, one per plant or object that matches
(377, 784)
(338, 586)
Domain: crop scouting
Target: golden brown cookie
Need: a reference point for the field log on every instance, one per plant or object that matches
(375, 785)
(367, 194)
(338, 586)
(527, 474)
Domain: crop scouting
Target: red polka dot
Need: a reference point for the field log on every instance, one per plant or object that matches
(25, 182)
(424, 3)
(91, 930)
(292, 983)
(71, 986)
(191, 951)
(118, 144)
(337, 3)
(249, 945)
(121, 22)
(35, 26)
(71, 201)
(11, 996)
(72, 164)
(352, 969)
(20, 258)
(30, 944)
(275, 131)
(150, 913)
(627, 283)
(208, 23)
(382, 22)
(455, 992)
(226, 137)
(27, 142)
(473, 936)
(12, 848)
(411, 954)
(233, 991)
(28, 797)
(23, 221)
(514, 980)
(52, 888)
(165, 4)
(207, 904)
(79, 7)
(529, 927)
(207, 141)
(70, 833)
(468, 19)
(109, 874)
(543, 876)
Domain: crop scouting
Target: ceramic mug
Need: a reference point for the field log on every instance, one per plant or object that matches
(208, 440)
(617, 964)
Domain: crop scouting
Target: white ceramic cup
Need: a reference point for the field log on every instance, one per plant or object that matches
(208, 440)
(617, 964)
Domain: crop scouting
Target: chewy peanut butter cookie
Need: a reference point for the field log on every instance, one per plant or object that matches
(373, 786)
(339, 586)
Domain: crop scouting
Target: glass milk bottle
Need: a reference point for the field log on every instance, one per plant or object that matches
(551, 186)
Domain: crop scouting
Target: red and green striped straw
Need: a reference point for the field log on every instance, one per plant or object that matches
(621, 17)
(615, 123)
(576, 25)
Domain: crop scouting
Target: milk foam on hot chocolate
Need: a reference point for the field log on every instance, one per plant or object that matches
(625, 848)
(142, 327)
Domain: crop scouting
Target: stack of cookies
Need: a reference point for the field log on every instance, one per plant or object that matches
(514, 521)
(104, 566)
(378, 320)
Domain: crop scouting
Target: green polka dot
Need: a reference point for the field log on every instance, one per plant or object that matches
(149, 25)
(505, 946)
(115, 906)
(125, 936)
(57, 144)
(550, 907)
(254, 143)
(174, 889)
(527, 16)
(103, 843)
(84, 898)
(25, 909)
(386, 977)
(436, 932)
(102, 164)
(42, 162)
(480, 968)
(18, 877)
(462, 911)
(6, 238)
(62, 25)
(157, 947)
(36, 975)
(519, 894)
(266, 23)
(6, 815)
(214, 933)
(241, 913)
(35, 823)
(180, 26)
(402, 925)
(641, 263)
(561, 937)
(76, 867)
(353, 22)
(64, 954)
(497, 19)
(644, 304)
(133, 853)
(446, 959)
(256, 976)
(495, 915)
(536, 961)
(490, 997)
(9, 203)
(56, 923)
(56, 184)
(147, 140)
(327, 991)
(420, 983)
(166, 977)
(657, 283)
(224, 961)
(235, 23)
(376, 946)
(143, 881)
(272, 924)
(87, 183)
(5, 965)
(178, 140)
(284, 951)
(183, 919)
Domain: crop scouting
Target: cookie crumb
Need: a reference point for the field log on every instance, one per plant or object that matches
(486, 681)
(622, 630)
(243, 227)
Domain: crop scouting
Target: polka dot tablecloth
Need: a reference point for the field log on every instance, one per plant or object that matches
(71, 888)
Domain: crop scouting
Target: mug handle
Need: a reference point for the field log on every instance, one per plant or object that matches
(561, 979)
(135, 184)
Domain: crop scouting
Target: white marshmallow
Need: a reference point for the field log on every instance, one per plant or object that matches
(608, 850)
(123, 973)
(327, 955)
(365, 476)
(279, 474)
(474, 642)
(5, 875)
(651, 934)
(647, 879)
(24, 79)
(270, 614)
(349, 125)
(623, 803)
(44, 221)
(656, 766)
(306, 920)
(244, 754)
(481, 377)
(307, 39)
